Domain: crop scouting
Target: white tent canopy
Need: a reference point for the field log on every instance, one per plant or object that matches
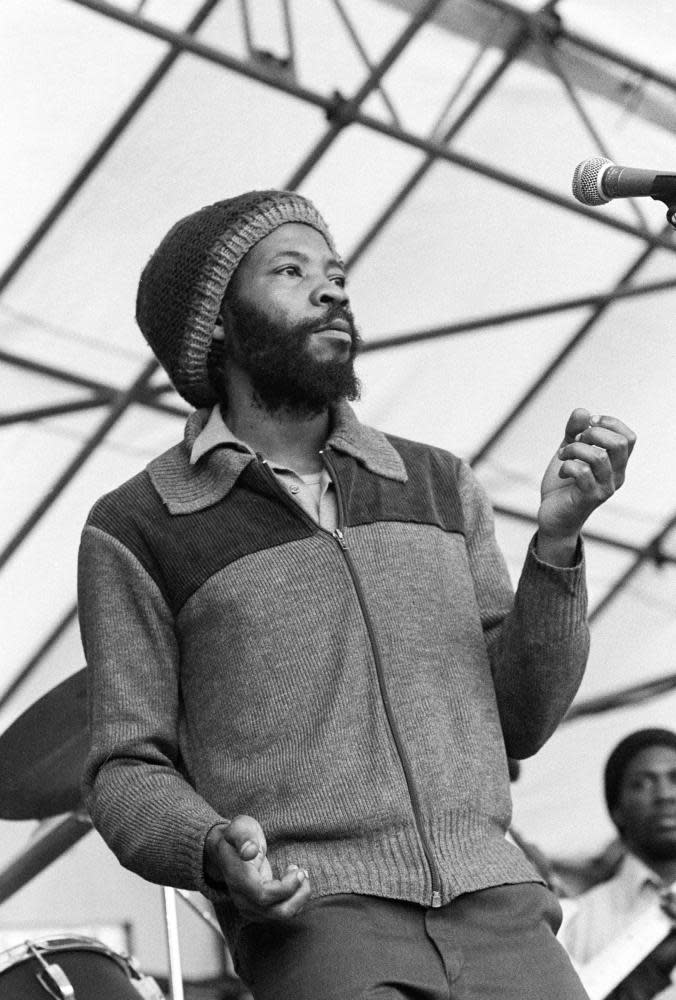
(439, 140)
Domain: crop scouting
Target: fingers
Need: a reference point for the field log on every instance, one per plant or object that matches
(603, 445)
(245, 834)
(592, 461)
(284, 898)
(616, 439)
(274, 899)
(578, 421)
(239, 849)
(617, 427)
(582, 420)
(595, 485)
(235, 852)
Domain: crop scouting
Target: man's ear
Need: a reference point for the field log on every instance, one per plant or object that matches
(219, 329)
(224, 323)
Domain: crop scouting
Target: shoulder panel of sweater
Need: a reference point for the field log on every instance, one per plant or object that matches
(430, 494)
(181, 552)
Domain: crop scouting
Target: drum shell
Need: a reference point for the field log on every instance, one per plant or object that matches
(94, 970)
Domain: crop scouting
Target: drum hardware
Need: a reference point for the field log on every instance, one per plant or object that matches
(72, 968)
(145, 986)
(53, 838)
(201, 912)
(54, 974)
(169, 896)
(173, 945)
(43, 754)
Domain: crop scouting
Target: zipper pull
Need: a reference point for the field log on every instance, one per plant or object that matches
(340, 538)
(436, 899)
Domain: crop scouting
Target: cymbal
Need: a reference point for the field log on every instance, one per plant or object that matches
(43, 754)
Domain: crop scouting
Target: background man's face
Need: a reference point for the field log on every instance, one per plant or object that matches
(646, 811)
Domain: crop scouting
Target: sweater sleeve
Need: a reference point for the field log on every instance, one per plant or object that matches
(537, 639)
(148, 814)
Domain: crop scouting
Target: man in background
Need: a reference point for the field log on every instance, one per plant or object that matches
(640, 792)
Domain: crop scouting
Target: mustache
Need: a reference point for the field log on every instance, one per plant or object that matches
(337, 311)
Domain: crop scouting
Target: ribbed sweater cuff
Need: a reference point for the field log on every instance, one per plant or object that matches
(553, 597)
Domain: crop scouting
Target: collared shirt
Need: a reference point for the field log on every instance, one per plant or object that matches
(599, 915)
(314, 492)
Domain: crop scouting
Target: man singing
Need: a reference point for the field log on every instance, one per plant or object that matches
(307, 666)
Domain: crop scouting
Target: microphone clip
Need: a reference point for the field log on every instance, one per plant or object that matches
(663, 190)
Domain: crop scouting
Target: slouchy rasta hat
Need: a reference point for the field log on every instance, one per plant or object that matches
(183, 284)
(624, 753)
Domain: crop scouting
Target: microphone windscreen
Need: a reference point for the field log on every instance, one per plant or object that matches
(586, 187)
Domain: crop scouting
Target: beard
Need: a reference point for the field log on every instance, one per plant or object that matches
(283, 371)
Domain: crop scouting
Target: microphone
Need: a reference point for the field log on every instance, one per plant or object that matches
(597, 181)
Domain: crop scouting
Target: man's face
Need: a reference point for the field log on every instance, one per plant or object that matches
(288, 323)
(646, 811)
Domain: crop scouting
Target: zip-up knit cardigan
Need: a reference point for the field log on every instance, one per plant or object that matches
(356, 692)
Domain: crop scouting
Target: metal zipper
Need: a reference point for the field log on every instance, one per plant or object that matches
(339, 537)
(389, 712)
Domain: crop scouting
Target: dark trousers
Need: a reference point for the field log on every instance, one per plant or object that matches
(497, 944)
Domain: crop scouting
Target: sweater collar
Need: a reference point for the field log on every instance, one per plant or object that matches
(370, 447)
(185, 488)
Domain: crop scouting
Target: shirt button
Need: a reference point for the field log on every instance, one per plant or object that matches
(294, 489)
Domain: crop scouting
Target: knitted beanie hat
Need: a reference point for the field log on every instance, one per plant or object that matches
(624, 753)
(183, 284)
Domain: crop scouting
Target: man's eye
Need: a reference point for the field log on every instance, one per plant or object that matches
(289, 269)
(340, 280)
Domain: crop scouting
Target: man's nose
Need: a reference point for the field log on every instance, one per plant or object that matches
(329, 293)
